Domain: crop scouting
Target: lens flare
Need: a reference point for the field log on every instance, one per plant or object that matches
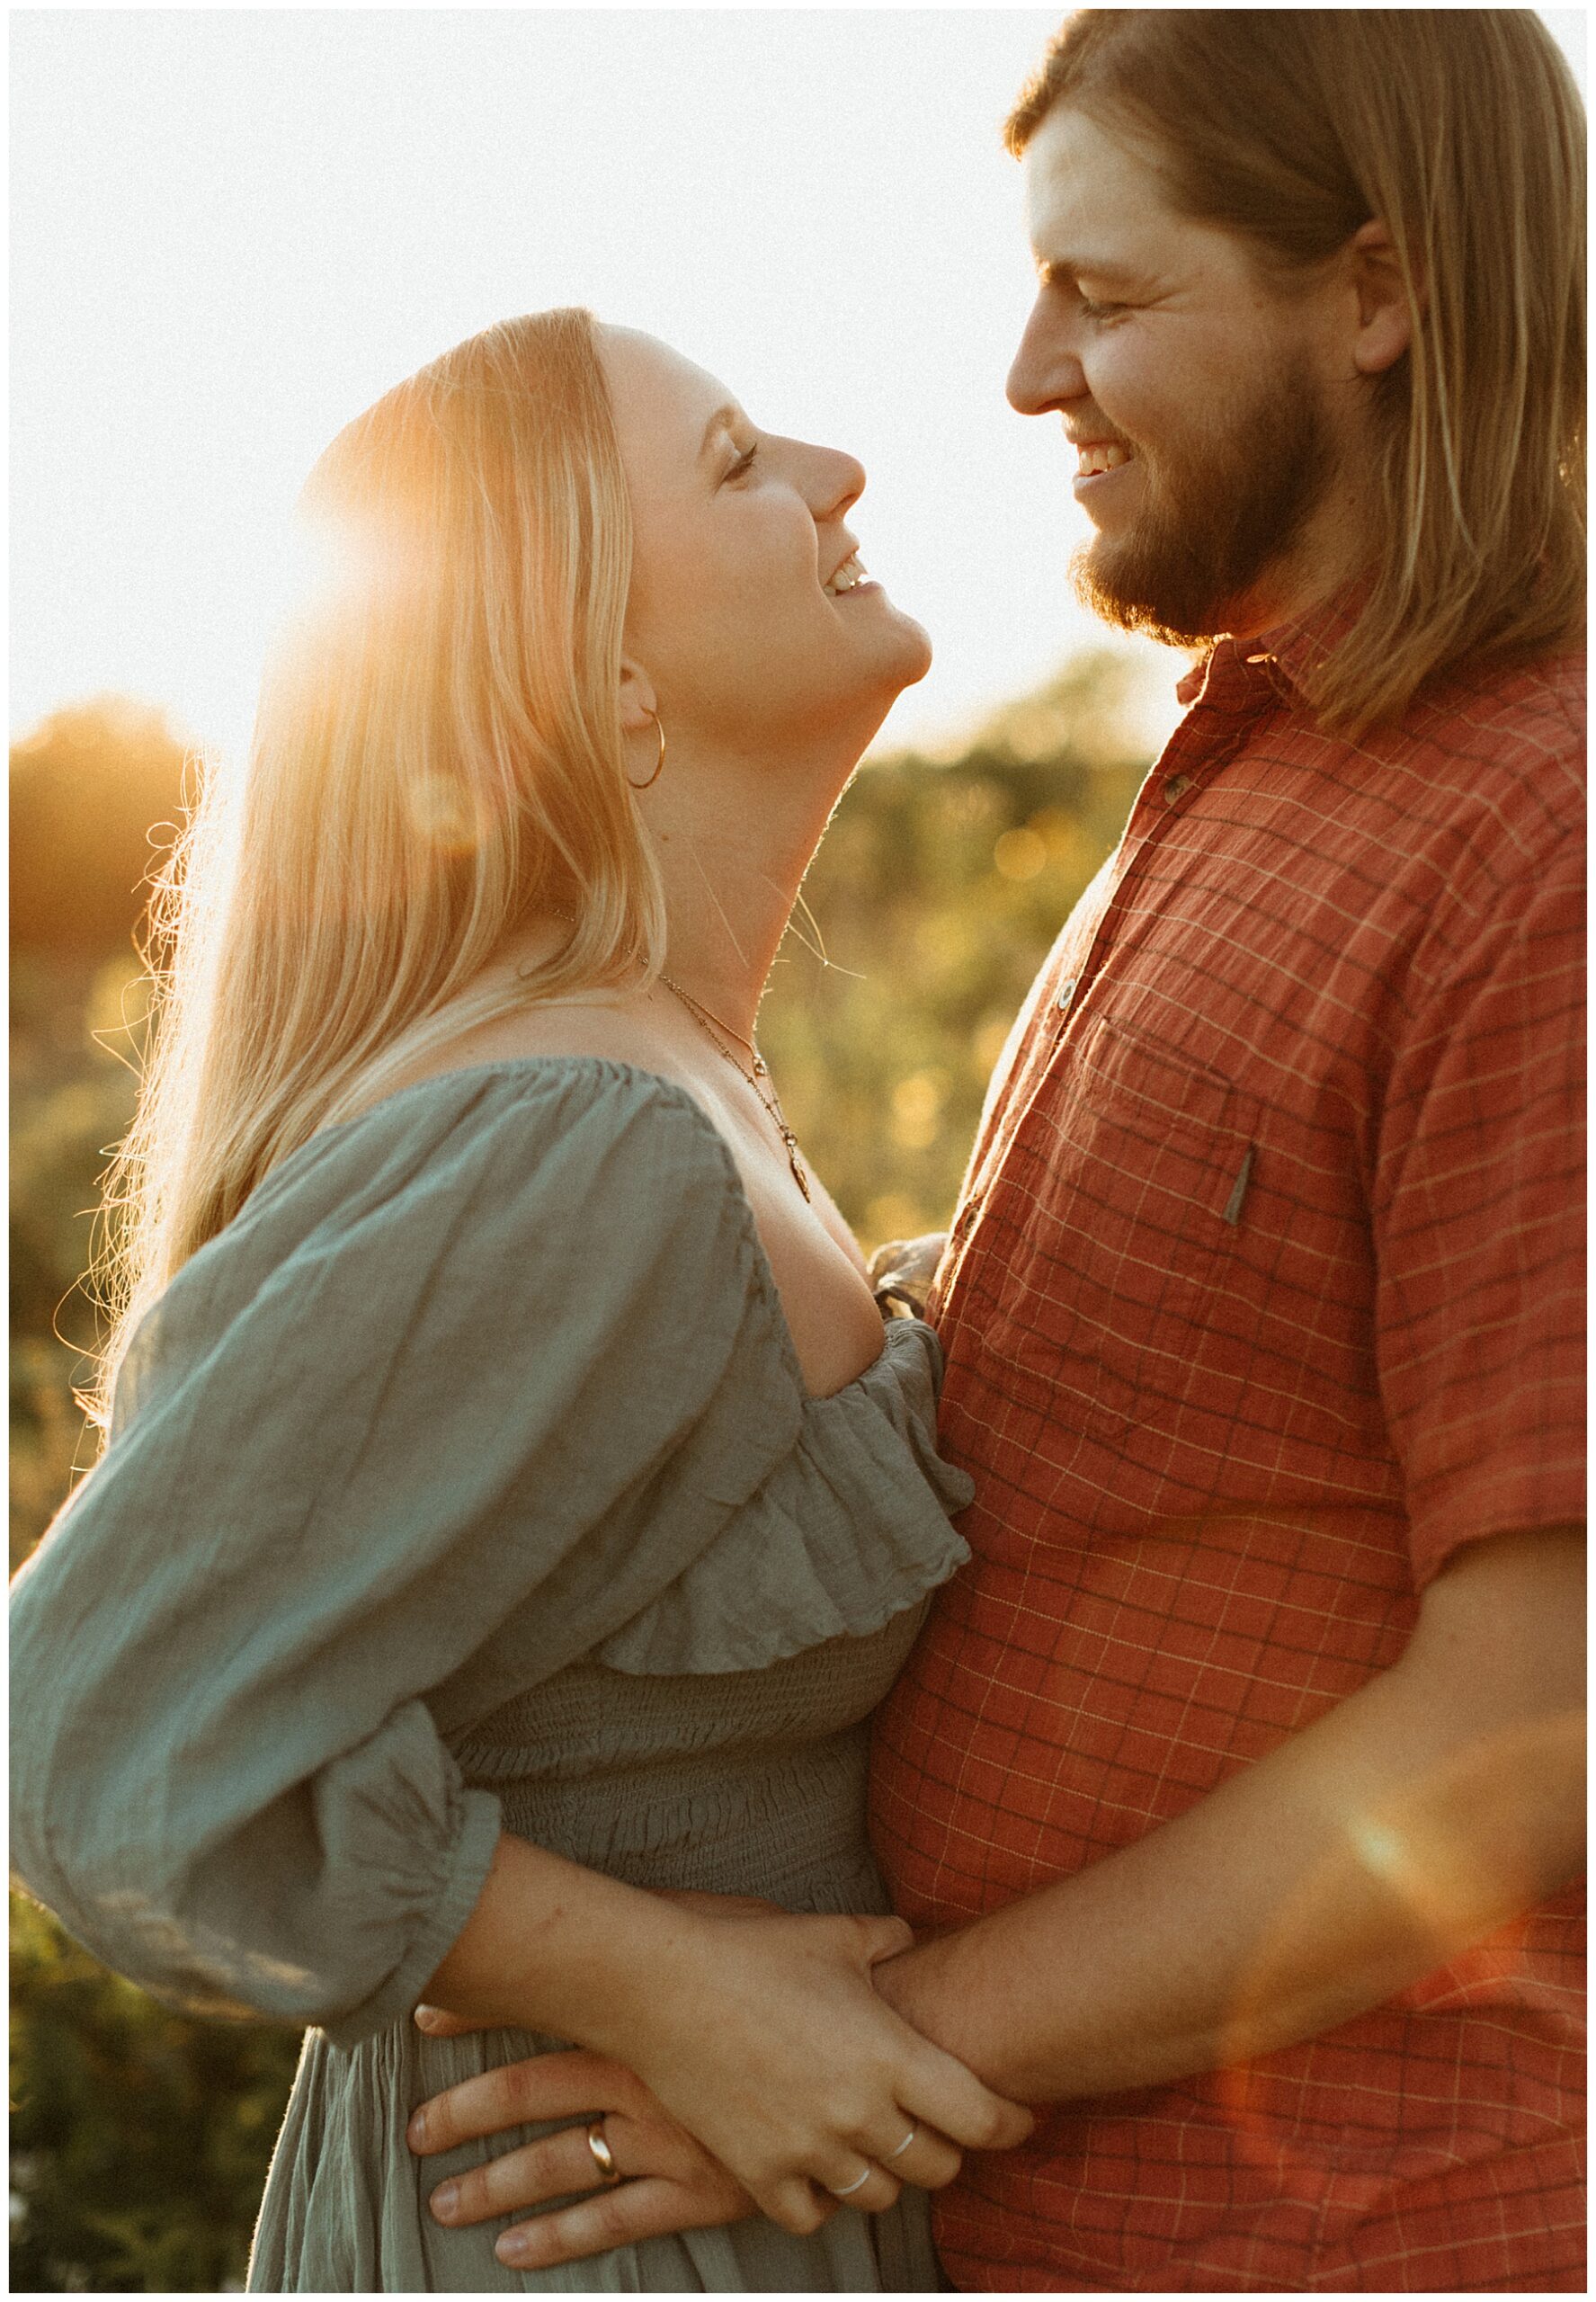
(327, 565)
(1434, 1879)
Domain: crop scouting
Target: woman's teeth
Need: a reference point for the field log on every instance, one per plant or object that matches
(849, 574)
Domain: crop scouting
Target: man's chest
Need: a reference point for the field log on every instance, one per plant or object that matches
(1169, 1201)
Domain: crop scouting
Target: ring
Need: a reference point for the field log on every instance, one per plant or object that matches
(902, 2146)
(603, 2157)
(858, 2185)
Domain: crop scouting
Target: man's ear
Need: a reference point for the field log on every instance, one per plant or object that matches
(639, 704)
(1385, 325)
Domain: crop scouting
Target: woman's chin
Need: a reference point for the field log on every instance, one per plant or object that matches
(922, 661)
(914, 653)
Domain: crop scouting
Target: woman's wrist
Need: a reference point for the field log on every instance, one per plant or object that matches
(630, 1982)
(556, 1947)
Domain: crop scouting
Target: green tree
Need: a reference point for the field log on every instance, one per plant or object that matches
(96, 794)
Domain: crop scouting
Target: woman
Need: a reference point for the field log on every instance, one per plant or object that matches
(511, 1510)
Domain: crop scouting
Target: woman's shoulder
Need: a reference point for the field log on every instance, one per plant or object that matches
(498, 1197)
(521, 1133)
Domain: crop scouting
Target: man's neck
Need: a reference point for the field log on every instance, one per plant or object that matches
(1332, 551)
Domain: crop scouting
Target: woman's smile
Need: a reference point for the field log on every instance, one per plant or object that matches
(849, 578)
(736, 531)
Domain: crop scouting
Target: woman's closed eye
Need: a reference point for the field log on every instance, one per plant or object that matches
(743, 464)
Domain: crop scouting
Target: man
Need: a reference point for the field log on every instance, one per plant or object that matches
(1238, 1776)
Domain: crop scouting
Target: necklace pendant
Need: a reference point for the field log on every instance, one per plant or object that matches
(794, 1161)
(706, 1021)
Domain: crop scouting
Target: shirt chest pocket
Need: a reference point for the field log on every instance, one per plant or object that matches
(1115, 1218)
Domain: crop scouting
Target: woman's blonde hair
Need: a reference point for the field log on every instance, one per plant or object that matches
(437, 755)
(1462, 132)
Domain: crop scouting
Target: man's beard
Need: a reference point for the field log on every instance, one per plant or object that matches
(1217, 518)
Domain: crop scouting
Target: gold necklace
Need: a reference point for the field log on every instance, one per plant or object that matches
(706, 1020)
(707, 1015)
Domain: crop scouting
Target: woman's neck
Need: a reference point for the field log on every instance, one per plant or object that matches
(733, 844)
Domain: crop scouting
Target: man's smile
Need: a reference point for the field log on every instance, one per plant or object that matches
(1099, 456)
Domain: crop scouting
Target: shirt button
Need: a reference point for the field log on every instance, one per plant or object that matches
(1175, 785)
(1067, 992)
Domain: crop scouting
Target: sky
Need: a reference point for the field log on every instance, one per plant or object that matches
(231, 229)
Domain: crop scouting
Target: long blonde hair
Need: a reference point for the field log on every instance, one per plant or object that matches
(437, 755)
(1462, 132)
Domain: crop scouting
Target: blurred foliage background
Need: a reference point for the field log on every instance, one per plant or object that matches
(141, 2139)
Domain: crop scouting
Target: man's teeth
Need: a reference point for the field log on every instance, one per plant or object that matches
(848, 575)
(1102, 457)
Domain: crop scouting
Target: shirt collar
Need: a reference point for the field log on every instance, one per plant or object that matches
(1288, 652)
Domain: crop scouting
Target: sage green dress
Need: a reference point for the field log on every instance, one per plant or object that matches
(469, 1479)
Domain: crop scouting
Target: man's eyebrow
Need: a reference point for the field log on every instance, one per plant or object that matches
(721, 421)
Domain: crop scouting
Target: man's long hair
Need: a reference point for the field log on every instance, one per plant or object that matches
(437, 753)
(1462, 132)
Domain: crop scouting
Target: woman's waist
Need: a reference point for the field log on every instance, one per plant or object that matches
(782, 1825)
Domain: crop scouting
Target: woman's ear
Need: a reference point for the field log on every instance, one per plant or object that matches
(1384, 321)
(638, 706)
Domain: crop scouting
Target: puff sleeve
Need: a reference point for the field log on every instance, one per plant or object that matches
(453, 1389)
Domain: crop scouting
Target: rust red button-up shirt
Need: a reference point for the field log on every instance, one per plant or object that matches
(1264, 1295)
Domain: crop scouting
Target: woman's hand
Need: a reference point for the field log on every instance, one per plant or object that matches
(668, 2181)
(761, 2035)
(767, 2042)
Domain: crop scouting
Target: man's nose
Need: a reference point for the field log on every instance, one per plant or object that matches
(1047, 373)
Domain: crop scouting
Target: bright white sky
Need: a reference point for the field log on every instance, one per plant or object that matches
(232, 230)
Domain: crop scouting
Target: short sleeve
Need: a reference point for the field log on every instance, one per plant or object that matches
(453, 1390)
(1478, 1227)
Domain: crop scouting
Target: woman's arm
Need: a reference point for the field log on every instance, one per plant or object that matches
(362, 1498)
(761, 2034)
(453, 1403)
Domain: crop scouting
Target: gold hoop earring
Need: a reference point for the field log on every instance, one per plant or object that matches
(658, 763)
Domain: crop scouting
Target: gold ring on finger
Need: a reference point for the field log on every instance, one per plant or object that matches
(603, 2157)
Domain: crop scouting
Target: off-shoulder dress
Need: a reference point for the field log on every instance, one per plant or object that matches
(469, 1479)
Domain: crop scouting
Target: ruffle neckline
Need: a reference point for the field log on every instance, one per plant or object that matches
(851, 1527)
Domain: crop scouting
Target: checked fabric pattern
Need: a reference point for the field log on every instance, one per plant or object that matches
(1264, 1295)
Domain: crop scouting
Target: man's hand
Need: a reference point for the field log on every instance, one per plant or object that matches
(668, 2181)
(902, 1270)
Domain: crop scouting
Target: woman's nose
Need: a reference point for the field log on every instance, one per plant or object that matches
(1047, 373)
(834, 481)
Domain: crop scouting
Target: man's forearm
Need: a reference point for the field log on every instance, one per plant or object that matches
(1428, 1808)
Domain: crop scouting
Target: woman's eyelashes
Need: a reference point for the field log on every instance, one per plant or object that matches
(743, 464)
